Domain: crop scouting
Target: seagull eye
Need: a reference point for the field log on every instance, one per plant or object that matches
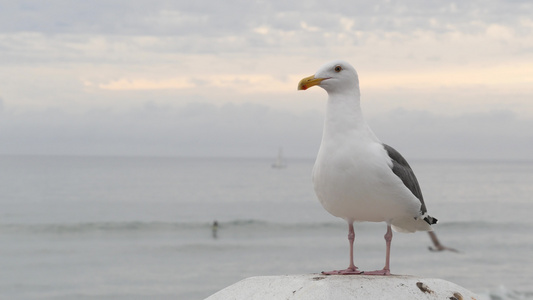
(338, 69)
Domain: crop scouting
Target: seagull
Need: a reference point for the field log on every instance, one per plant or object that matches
(356, 177)
(438, 245)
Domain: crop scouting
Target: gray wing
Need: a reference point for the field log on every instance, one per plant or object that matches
(401, 168)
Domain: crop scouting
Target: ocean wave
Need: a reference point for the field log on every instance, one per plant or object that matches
(503, 293)
(88, 227)
(139, 226)
(243, 224)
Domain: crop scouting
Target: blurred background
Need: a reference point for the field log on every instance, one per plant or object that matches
(128, 127)
(219, 79)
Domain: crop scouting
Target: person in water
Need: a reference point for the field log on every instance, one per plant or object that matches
(214, 229)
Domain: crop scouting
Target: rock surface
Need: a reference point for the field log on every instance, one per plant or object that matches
(317, 286)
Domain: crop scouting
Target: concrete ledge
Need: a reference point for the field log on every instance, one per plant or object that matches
(317, 286)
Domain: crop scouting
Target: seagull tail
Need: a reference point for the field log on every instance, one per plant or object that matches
(422, 223)
(429, 219)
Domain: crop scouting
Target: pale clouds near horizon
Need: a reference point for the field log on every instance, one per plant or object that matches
(252, 130)
(80, 70)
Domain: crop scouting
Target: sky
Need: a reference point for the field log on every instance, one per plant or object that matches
(439, 79)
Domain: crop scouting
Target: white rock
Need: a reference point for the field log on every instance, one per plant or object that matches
(316, 286)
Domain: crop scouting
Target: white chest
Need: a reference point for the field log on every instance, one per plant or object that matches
(355, 182)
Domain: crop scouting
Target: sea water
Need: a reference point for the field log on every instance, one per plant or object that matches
(142, 228)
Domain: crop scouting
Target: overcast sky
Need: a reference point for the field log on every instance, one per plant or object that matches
(439, 79)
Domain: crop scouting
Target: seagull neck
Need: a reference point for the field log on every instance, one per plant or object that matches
(343, 113)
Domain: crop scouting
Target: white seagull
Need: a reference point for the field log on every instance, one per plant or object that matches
(357, 177)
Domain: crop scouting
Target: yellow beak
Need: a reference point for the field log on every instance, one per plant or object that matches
(308, 82)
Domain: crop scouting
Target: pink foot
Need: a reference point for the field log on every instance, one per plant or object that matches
(383, 272)
(354, 271)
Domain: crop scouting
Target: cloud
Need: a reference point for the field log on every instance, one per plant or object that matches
(194, 129)
(250, 130)
(244, 84)
(145, 84)
(490, 135)
(123, 17)
(74, 73)
(233, 26)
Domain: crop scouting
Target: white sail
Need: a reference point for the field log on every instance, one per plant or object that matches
(280, 162)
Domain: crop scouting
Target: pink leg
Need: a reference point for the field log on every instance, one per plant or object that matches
(352, 269)
(386, 269)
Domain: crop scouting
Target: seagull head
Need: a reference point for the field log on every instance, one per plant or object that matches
(335, 77)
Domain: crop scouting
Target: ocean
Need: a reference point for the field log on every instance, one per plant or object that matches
(141, 228)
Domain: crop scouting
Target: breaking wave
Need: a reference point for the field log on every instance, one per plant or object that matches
(141, 226)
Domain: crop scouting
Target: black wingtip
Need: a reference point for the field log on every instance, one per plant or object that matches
(430, 220)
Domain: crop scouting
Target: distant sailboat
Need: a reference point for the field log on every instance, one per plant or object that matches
(280, 162)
